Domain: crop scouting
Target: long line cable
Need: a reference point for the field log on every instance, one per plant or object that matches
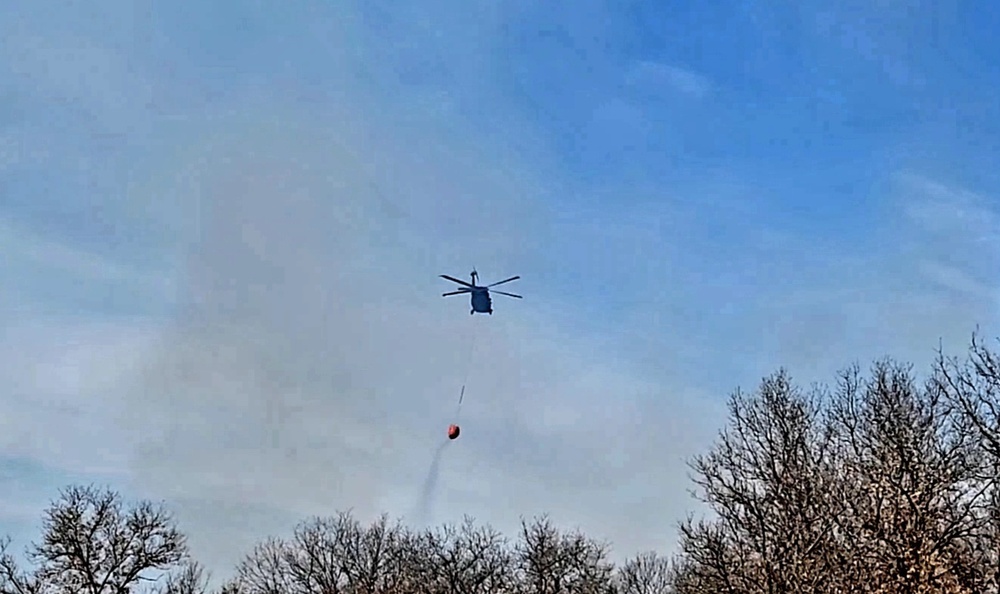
(468, 370)
(425, 505)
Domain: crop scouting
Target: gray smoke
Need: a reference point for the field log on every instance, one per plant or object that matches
(425, 506)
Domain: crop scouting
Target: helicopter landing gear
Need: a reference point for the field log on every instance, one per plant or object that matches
(472, 312)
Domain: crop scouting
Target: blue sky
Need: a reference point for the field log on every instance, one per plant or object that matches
(223, 225)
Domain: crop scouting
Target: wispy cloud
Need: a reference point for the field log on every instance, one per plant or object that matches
(649, 75)
(18, 242)
(950, 211)
(308, 363)
(63, 394)
(87, 67)
(960, 241)
(323, 332)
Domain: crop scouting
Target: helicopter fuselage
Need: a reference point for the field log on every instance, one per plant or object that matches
(481, 301)
(479, 295)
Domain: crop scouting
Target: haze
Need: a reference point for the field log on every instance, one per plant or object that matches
(223, 225)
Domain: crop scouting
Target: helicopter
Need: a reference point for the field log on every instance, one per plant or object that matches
(480, 295)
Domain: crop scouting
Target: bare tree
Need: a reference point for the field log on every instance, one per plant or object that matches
(906, 468)
(316, 556)
(552, 562)
(714, 559)
(768, 479)
(93, 544)
(972, 388)
(646, 573)
(231, 587)
(190, 578)
(333, 555)
(462, 559)
(266, 570)
(373, 559)
(14, 580)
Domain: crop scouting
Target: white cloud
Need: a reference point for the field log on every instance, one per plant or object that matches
(956, 279)
(926, 274)
(954, 212)
(956, 238)
(648, 74)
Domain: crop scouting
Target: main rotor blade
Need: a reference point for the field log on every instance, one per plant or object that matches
(508, 294)
(458, 292)
(513, 278)
(455, 280)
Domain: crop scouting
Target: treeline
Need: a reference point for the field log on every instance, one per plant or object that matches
(93, 543)
(880, 484)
